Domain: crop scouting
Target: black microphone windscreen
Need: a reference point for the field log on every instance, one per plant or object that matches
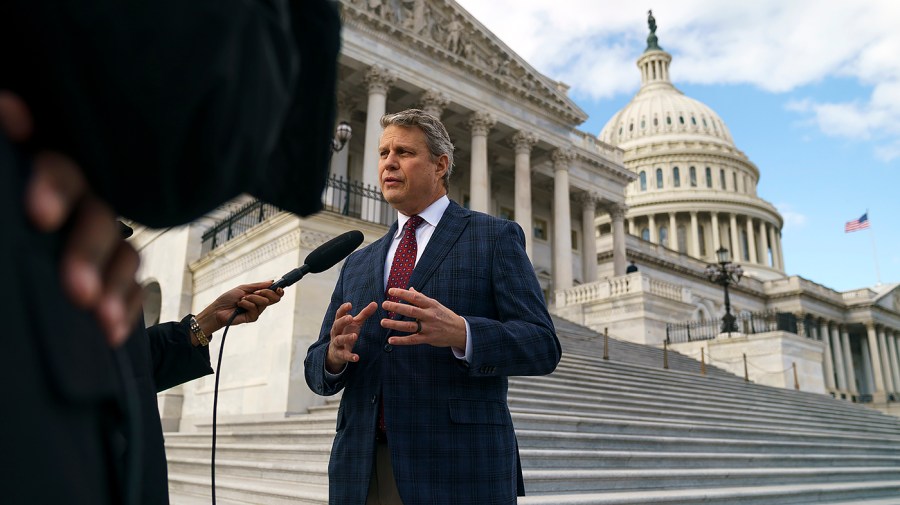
(328, 254)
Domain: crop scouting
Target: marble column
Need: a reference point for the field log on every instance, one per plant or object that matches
(433, 102)
(828, 360)
(651, 225)
(479, 178)
(848, 361)
(717, 242)
(841, 369)
(877, 368)
(764, 238)
(751, 240)
(887, 365)
(588, 236)
(523, 142)
(378, 81)
(774, 246)
(562, 220)
(736, 252)
(777, 248)
(617, 214)
(673, 232)
(895, 360)
(695, 235)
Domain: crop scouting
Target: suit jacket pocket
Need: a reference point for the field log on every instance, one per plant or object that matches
(464, 411)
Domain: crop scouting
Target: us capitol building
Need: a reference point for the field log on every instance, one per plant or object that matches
(662, 185)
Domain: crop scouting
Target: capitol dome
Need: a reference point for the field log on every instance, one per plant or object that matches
(695, 191)
(660, 109)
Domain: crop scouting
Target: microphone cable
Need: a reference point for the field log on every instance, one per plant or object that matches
(212, 466)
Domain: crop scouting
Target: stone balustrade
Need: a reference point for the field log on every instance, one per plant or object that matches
(624, 285)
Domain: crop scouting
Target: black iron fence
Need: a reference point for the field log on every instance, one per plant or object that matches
(345, 197)
(747, 323)
(355, 199)
(237, 224)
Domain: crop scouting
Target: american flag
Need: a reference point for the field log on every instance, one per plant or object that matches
(857, 224)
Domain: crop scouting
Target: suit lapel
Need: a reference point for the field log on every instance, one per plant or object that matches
(447, 232)
(375, 279)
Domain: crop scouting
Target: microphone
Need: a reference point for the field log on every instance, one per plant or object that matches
(322, 258)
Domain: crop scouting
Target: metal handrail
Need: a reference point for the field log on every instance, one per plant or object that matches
(747, 323)
(236, 224)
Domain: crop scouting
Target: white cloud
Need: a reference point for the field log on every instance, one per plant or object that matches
(792, 218)
(775, 45)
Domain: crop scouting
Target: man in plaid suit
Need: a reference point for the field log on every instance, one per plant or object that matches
(424, 366)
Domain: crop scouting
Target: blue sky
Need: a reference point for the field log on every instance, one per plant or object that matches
(809, 89)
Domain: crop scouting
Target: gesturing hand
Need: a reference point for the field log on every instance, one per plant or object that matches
(432, 323)
(344, 334)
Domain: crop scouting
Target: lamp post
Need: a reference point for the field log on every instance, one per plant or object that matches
(342, 134)
(725, 273)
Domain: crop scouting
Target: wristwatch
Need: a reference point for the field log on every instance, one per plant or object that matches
(198, 332)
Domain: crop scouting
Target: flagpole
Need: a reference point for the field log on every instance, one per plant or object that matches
(874, 250)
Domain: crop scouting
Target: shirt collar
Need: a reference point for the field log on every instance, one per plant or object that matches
(432, 214)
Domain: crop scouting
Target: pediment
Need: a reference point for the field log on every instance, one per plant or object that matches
(447, 32)
(890, 298)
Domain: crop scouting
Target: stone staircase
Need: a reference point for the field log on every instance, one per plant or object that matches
(596, 431)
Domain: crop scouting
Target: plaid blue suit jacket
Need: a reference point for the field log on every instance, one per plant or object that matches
(448, 425)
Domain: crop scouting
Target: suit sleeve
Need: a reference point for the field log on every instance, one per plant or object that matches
(314, 365)
(175, 359)
(522, 339)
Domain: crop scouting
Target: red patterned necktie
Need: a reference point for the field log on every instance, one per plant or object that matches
(404, 259)
(401, 270)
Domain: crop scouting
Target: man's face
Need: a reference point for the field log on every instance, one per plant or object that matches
(411, 179)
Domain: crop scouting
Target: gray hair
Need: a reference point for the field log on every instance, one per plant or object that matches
(436, 137)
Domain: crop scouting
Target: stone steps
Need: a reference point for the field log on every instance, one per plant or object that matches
(571, 481)
(245, 490)
(603, 459)
(605, 432)
(868, 493)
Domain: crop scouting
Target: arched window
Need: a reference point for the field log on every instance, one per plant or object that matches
(708, 177)
(676, 177)
(643, 124)
(631, 127)
(659, 178)
(681, 119)
(152, 303)
(655, 121)
(693, 121)
(643, 177)
(734, 181)
(693, 175)
(682, 239)
(663, 236)
(722, 178)
(668, 119)
(645, 234)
